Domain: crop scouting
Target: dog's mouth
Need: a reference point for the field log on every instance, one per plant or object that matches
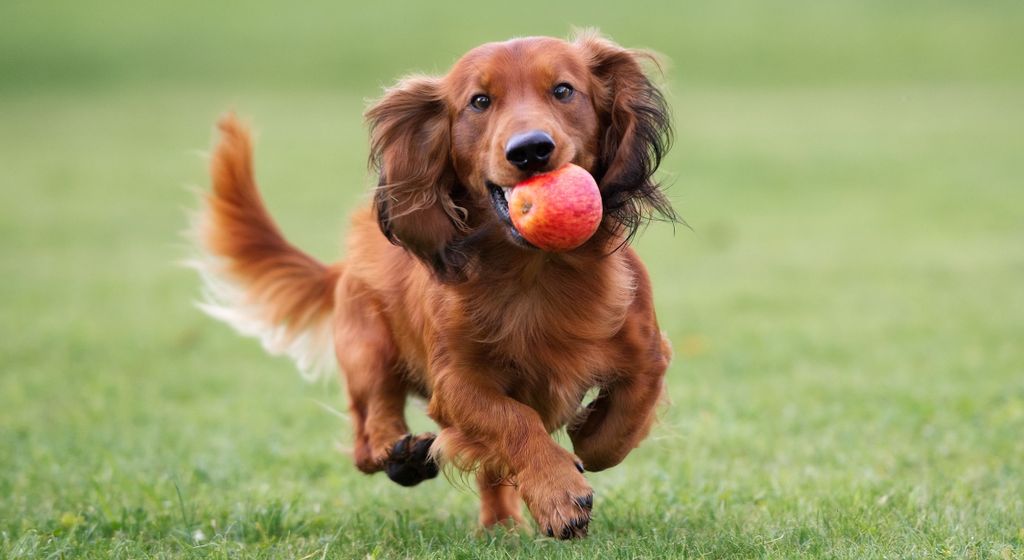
(499, 199)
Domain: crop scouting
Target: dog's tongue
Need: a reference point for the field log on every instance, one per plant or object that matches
(557, 211)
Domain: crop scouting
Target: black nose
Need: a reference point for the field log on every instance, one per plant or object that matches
(529, 151)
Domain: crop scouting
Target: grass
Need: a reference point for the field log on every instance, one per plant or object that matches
(847, 309)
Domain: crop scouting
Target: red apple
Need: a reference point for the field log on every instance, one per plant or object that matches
(558, 210)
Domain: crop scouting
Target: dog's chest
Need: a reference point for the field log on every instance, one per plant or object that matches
(554, 377)
(550, 348)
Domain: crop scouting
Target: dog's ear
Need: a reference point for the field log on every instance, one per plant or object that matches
(410, 147)
(636, 132)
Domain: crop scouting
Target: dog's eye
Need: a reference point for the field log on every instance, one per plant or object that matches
(480, 102)
(563, 92)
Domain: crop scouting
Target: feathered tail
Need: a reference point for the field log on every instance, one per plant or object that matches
(255, 280)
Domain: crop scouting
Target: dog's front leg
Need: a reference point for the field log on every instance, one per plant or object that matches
(617, 420)
(481, 424)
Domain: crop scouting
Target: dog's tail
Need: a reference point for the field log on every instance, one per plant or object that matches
(255, 280)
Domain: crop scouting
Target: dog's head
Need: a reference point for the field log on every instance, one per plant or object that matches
(445, 146)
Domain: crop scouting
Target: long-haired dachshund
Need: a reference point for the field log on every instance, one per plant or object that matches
(442, 298)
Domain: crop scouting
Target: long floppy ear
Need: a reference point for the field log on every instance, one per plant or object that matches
(637, 132)
(410, 149)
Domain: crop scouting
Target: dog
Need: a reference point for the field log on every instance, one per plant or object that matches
(440, 296)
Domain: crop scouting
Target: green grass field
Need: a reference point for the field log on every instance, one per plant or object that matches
(847, 309)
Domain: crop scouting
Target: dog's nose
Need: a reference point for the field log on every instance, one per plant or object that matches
(529, 151)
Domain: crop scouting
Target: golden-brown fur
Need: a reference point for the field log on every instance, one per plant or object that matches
(437, 298)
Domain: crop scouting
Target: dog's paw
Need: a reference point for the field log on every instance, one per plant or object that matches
(561, 503)
(575, 527)
(409, 462)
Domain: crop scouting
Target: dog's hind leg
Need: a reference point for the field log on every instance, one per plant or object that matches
(377, 390)
(499, 500)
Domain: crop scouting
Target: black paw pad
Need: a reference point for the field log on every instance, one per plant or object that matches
(409, 461)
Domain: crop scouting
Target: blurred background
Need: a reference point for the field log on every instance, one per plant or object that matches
(847, 303)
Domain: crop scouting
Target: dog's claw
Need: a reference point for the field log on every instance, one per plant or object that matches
(576, 528)
(409, 462)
